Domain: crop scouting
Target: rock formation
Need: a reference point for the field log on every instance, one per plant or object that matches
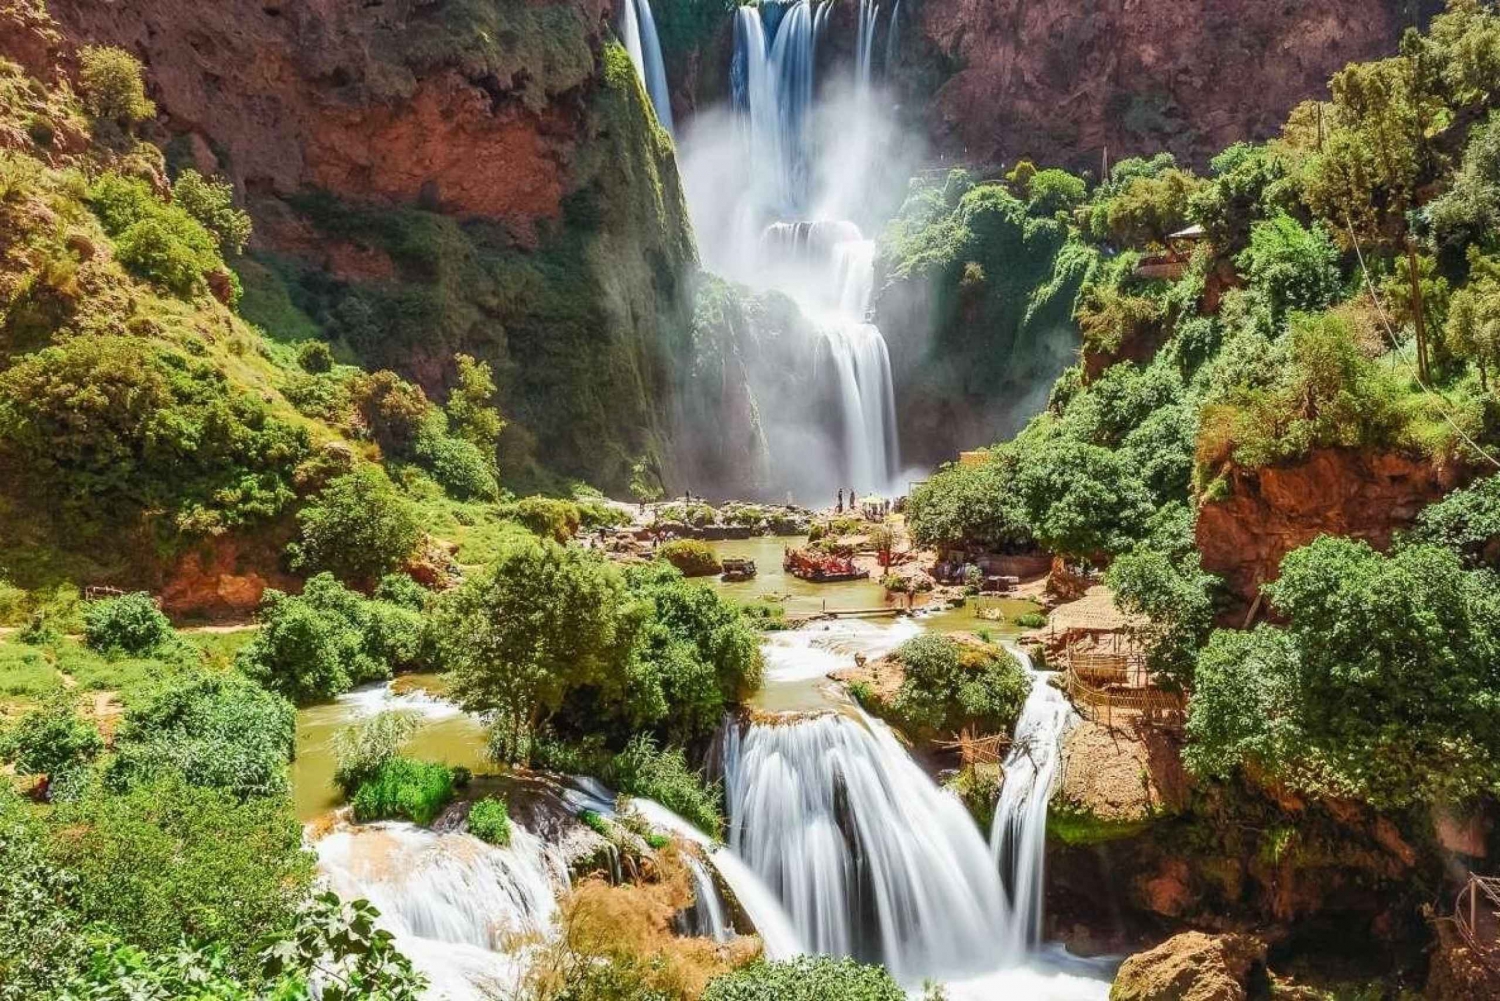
(1191, 967)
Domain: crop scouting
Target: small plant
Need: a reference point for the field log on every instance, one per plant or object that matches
(595, 822)
(403, 788)
(1030, 620)
(489, 821)
(315, 357)
(52, 741)
(128, 624)
(112, 85)
(363, 748)
(861, 692)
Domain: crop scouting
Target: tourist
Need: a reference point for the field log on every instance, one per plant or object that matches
(840, 508)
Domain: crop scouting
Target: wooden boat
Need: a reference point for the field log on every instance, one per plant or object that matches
(821, 568)
(736, 571)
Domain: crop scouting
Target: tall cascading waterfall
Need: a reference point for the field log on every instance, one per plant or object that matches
(1018, 835)
(638, 34)
(869, 858)
(825, 264)
(451, 901)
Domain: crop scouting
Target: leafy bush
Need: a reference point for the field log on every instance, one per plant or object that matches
(690, 556)
(458, 465)
(948, 685)
(1297, 268)
(472, 415)
(1383, 685)
(168, 861)
(211, 202)
(402, 590)
(549, 517)
(489, 820)
(315, 357)
(217, 731)
(402, 788)
(1466, 521)
(357, 528)
(807, 978)
(129, 624)
(112, 87)
(1080, 500)
(1174, 597)
(154, 240)
(663, 775)
(319, 644)
(360, 749)
(969, 503)
(52, 741)
(694, 655)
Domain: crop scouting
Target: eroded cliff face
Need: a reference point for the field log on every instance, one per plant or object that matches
(1061, 80)
(1274, 510)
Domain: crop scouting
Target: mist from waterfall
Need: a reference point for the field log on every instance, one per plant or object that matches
(1018, 834)
(638, 34)
(784, 188)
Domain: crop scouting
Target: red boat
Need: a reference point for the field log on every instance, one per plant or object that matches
(821, 568)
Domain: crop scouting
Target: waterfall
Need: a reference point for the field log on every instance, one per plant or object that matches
(451, 901)
(893, 38)
(638, 33)
(868, 857)
(706, 918)
(864, 42)
(1019, 833)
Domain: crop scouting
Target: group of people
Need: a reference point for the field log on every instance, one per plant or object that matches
(872, 509)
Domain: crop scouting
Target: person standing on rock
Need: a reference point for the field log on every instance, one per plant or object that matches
(840, 508)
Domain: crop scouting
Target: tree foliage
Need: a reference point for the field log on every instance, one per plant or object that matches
(948, 686)
(358, 528)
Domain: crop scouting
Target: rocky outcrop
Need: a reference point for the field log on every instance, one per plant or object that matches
(1273, 510)
(1062, 82)
(1120, 776)
(1192, 967)
(224, 577)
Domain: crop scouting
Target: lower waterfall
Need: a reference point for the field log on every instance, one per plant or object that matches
(869, 858)
(1018, 835)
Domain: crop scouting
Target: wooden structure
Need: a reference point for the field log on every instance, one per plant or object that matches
(1106, 686)
(1172, 263)
(101, 592)
(973, 750)
(1476, 913)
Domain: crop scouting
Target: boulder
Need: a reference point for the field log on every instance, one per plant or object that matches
(1192, 966)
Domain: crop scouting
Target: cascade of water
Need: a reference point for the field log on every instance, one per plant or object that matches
(893, 38)
(867, 855)
(638, 33)
(864, 42)
(450, 900)
(1019, 832)
(706, 917)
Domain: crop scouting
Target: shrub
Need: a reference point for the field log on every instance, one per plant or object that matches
(458, 465)
(315, 357)
(489, 820)
(52, 741)
(112, 87)
(1466, 521)
(663, 775)
(1081, 500)
(168, 861)
(402, 788)
(1297, 268)
(807, 978)
(129, 624)
(357, 528)
(216, 731)
(549, 517)
(471, 412)
(690, 556)
(947, 686)
(1030, 620)
(402, 590)
(973, 503)
(1173, 597)
(211, 202)
(362, 748)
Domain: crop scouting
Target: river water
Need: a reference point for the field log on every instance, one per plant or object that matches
(838, 839)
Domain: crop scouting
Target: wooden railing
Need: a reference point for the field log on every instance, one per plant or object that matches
(1476, 912)
(1149, 703)
(974, 750)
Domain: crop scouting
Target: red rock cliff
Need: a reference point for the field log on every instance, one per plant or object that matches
(1335, 492)
(1058, 80)
(401, 101)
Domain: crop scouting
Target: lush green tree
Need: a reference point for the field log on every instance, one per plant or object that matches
(808, 978)
(391, 409)
(315, 357)
(1297, 268)
(129, 624)
(463, 469)
(472, 414)
(537, 623)
(218, 731)
(52, 741)
(1467, 521)
(969, 503)
(690, 557)
(358, 528)
(1052, 191)
(168, 860)
(695, 655)
(1148, 209)
(1081, 500)
(1384, 684)
(155, 240)
(112, 87)
(1173, 596)
(1249, 183)
(1161, 448)
(1473, 323)
(549, 517)
(948, 686)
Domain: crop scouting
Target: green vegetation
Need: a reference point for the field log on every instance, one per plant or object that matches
(52, 741)
(402, 788)
(641, 769)
(809, 978)
(112, 87)
(358, 528)
(693, 558)
(489, 820)
(948, 686)
(131, 624)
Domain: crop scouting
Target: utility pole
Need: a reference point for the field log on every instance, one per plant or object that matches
(1418, 320)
